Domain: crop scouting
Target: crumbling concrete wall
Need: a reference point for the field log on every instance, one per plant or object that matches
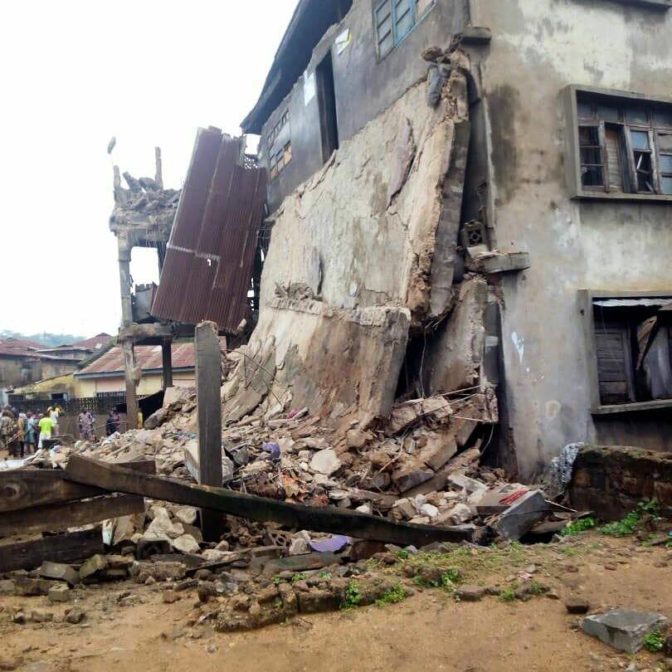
(362, 231)
(351, 265)
(332, 361)
(456, 354)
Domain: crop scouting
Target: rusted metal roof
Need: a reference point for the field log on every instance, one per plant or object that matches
(148, 358)
(208, 268)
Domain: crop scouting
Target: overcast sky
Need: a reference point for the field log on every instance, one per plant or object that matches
(74, 74)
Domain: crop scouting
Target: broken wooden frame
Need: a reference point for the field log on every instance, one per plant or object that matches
(34, 501)
(115, 478)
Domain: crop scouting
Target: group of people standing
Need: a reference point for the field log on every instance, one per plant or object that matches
(86, 422)
(21, 434)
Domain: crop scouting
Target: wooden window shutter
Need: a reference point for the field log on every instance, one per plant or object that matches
(613, 144)
(614, 364)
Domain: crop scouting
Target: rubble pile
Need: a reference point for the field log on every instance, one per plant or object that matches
(422, 466)
(144, 203)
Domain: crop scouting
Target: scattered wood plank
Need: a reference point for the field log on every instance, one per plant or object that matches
(26, 488)
(60, 516)
(59, 548)
(328, 519)
(22, 489)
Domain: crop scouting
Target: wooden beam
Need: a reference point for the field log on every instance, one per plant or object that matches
(25, 488)
(59, 548)
(21, 489)
(59, 517)
(296, 516)
(209, 409)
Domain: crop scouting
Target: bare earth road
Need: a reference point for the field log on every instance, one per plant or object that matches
(429, 631)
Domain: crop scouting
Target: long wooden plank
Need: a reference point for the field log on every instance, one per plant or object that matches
(328, 519)
(59, 548)
(209, 408)
(25, 488)
(58, 517)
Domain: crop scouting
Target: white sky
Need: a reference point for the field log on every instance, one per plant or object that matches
(77, 72)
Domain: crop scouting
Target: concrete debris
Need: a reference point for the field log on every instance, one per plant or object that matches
(624, 629)
(521, 516)
(325, 462)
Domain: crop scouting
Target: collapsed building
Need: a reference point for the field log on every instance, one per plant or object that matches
(467, 196)
(448, 265)
(435, 227)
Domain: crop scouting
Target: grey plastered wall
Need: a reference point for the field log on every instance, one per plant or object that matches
(539, 47)
(365, 85)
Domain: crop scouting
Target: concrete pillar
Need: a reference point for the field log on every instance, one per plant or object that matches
(130, 377)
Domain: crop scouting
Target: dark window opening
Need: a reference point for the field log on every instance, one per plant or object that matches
(394, 19)
(633, 347)
(327, 105)
(624, 147)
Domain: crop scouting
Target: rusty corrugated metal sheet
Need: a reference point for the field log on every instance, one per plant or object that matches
(208, 267)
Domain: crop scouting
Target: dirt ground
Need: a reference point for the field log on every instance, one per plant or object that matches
(431, 630)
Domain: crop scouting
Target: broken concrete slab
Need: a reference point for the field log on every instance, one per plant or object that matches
(325, 462)
(624, 629)
(94, 564)
(497, 500)
(494, 262)
(456, 353)
(59, 593)
(59, 571)
(521, 517)
(185, 544)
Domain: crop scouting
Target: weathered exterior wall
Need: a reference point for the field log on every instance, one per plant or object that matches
(365, 85)
(11, 370)
(149, 384)
(539, 47)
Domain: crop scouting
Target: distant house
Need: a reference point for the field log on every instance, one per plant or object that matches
(23, 362)
(105, 376)
(81, 350)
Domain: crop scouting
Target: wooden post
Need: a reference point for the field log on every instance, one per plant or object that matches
(209, 408)
(167, 358)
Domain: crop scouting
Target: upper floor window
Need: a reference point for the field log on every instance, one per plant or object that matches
(275, 131)
(279, 160)
(625, 145)
(394, 19)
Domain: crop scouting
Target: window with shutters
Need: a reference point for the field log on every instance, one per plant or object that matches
(393, 20)
(624, 145)
(632, 344)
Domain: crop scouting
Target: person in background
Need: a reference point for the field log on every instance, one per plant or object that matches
(46, 425)
(8, 431)
(92, 424)
(112, 423)
(84, 420)
(32, 429)
(54, 412)
(21, 427)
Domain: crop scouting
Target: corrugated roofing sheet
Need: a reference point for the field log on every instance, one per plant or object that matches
(148, 357)
(208, 267)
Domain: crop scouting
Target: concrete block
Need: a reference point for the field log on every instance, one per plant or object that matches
(624, 629)
(521, 517)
